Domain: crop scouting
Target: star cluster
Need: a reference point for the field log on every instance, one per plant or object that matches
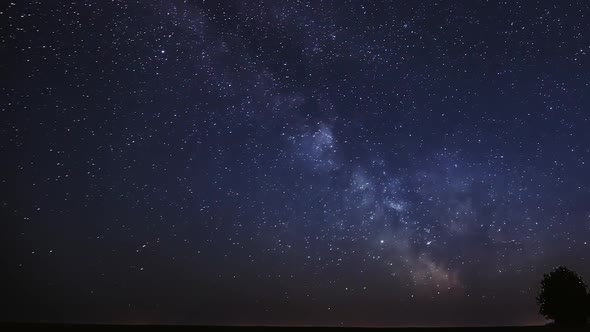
(292, 162)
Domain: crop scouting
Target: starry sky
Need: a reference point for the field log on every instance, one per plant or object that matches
(357, 163)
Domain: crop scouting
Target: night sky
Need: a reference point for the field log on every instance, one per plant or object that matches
(291, 162)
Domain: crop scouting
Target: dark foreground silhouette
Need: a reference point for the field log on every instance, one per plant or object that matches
(83, 327)
(564, 298)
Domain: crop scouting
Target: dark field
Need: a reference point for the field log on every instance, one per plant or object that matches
(84, 327)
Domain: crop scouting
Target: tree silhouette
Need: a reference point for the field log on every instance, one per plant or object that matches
(563, 297)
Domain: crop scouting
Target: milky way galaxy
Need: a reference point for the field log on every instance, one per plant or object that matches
(358, 163)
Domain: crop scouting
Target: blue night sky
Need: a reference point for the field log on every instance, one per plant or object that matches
(359, 163)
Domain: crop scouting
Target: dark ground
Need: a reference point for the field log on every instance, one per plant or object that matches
(85, 327)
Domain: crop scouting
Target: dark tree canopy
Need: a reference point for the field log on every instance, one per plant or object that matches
(563, 297)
